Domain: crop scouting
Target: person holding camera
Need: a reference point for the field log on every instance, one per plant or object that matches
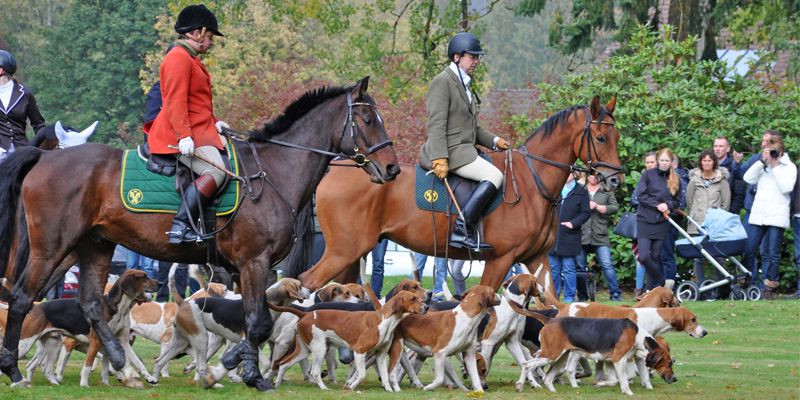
(774, 176)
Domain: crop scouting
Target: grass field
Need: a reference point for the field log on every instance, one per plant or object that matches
(752, 351)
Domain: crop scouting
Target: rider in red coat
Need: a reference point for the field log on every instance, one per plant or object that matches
(186, 123)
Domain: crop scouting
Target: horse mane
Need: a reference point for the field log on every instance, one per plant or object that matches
(560, 118)
(297, 110)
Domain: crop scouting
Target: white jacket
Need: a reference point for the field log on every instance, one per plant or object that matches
(771, 204)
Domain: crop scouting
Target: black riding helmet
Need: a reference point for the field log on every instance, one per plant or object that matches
(197, 17)
(7, 62)
(464, 42)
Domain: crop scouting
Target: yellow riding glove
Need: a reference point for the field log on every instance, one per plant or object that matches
(440, 168)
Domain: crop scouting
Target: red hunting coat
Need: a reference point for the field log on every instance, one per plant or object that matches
(188, 108)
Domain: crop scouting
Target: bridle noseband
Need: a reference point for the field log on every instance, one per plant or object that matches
(359, 158)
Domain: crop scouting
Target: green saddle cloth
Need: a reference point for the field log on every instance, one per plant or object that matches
(143, 191)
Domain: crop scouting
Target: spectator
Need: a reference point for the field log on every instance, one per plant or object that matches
(135, 260)
(573, 211)
(18, 105)
(439, 272)
(775, 176)
(796, 229)
(668, 265)
(182, 279)
(731, 162)
(650, 162)
(594, 235)
(376, 278)
(657, 192)
(708, 188)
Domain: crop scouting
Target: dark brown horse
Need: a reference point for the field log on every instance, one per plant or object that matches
(72, 207)
(521, 232)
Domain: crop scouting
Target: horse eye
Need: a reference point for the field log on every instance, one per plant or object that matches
(601, 139)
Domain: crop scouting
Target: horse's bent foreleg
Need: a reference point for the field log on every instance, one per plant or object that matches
(95, 258)
(258, 321)
(349, 274)
(496, 270)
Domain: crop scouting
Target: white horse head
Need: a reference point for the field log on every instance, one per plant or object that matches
(72, 138)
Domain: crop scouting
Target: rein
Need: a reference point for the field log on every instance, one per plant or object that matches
(360, 159)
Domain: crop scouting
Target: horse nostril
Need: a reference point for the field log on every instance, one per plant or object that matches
(392, 170)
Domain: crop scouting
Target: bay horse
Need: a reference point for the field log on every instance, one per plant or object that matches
(520, 232)
(82, 214)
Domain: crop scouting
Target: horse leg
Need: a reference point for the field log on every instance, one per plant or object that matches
(496, 270)
(340, 260)
(258, 322)
(349, 274)
(35, 278)
(95, 257)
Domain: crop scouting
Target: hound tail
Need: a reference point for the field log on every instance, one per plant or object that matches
(542, 318)
(173, 290)
(292, 310)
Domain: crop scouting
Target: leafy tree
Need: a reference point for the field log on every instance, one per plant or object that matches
(667, 99)
(88, 68)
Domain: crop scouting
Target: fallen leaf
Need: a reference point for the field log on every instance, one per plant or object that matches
(716, 342)
(770, 365)
(736, 365)
(475, 394)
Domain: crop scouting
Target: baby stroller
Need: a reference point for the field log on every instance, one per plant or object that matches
(722, 235)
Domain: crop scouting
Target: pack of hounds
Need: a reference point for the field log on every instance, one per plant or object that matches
(349, 325)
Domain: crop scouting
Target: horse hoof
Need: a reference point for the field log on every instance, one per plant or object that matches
(260, 384)
(23, 384)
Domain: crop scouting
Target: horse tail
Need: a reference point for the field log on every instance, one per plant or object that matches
(296, 262)
(542, 318)
(176, 297)
(292, 310)
(12, 171)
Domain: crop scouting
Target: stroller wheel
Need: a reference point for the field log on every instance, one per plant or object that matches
(737, 293)
(753, 293)
(687, 290)
(710, 294)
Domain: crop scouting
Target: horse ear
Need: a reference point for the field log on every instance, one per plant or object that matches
(594, 107)
(611, 104)
(61, 134)
(361, 87)
(90, 130)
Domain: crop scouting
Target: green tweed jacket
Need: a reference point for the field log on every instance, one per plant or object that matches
(452, 127)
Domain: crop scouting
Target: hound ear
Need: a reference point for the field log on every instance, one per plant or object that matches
(650, 343)
(507, 282)
(594, 107)
(611, 104)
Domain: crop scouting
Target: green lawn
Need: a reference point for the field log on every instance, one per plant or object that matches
(752, 352)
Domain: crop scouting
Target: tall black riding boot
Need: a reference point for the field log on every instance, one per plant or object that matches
(197, 195)
(465, 233)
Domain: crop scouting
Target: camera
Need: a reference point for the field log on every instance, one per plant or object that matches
(774, 153)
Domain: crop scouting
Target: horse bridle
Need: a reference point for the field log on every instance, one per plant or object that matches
(591, 168)
(359, 158)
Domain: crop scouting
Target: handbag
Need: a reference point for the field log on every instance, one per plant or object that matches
(626, 226)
